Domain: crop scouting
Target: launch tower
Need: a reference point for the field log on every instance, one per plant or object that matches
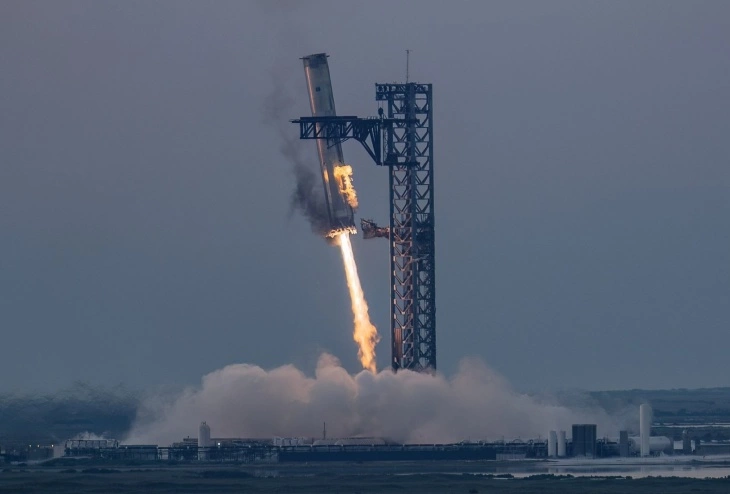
(409, 158)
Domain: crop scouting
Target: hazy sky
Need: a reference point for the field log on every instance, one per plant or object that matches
(582, 167)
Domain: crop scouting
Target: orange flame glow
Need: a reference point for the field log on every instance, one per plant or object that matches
(343, 175)
(365, 334)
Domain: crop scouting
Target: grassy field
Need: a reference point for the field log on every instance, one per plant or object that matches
(221, 481)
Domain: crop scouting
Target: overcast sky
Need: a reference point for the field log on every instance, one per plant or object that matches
(582, 171)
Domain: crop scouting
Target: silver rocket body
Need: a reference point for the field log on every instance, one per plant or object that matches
(322, 104)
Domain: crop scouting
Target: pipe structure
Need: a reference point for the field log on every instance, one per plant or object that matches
(335, 174)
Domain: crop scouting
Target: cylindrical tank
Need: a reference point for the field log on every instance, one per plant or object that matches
(204, 441)
(553, 444)
(561, 443)
(322, 104)
(686, 443)
(645, 429)
(657, 444)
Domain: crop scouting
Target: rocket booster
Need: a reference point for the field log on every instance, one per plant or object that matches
(335, 174)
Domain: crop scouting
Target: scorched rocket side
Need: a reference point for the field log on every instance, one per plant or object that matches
(334, 173)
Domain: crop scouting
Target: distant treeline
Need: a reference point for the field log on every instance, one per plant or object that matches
(673, 405)
(52, 418)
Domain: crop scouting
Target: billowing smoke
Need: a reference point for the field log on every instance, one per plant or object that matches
(245, 400)
(307, 196)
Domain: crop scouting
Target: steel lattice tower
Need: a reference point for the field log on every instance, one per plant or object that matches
(409, 157)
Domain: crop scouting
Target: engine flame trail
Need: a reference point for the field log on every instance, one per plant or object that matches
(365, 334)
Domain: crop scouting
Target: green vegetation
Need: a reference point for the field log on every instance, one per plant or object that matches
(672, 407)
(687, 406)
(237, 481)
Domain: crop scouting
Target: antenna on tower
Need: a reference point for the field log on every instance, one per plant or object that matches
(408, 59)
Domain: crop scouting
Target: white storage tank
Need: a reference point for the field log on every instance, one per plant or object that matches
(204, 441)
(553, 444)
(561, 444)
(645, 429)
(657, 444)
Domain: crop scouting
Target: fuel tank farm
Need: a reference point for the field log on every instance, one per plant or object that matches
(336, 175)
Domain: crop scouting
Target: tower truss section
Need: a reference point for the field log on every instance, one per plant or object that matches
(409, 157)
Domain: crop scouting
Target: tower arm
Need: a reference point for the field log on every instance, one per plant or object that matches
(367, 131)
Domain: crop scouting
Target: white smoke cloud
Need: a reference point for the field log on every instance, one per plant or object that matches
(244, 400)
(90, 436)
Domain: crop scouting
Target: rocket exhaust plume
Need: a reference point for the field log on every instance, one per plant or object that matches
(364, 333)
(330, 214)
(340, 199)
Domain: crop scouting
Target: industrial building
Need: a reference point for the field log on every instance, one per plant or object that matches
(583, 443)
(584, 440)
(354, 449)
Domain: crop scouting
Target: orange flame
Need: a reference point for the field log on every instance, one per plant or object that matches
(365, 334)
(343, 175)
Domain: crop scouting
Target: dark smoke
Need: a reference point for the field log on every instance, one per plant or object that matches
(307, 196)
(308, 199)
(53, 418)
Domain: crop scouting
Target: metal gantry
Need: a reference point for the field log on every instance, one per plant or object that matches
(340, 129)
(405, 131)
(409, 157)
